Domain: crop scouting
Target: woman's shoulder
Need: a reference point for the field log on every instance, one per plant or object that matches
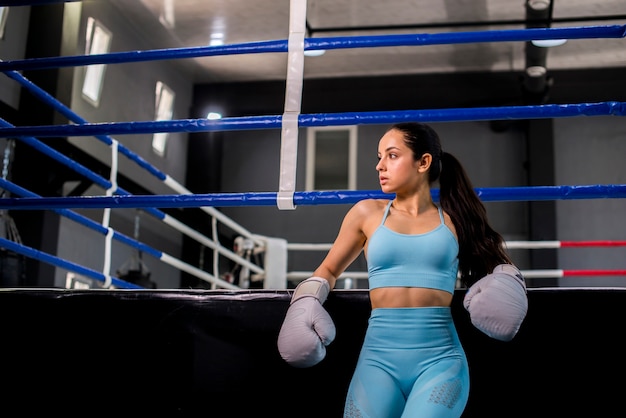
(367, 214)
(371, 205)
(368, 209)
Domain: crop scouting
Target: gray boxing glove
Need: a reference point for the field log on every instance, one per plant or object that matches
(498, 302)
(307, 328)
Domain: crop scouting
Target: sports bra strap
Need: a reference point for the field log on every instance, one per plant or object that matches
(386, 212)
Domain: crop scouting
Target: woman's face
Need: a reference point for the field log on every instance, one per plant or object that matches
(397, 170)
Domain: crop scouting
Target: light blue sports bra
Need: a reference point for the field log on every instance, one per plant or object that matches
(417, 260)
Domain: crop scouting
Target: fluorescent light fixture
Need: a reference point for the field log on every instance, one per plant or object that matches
(539, 4)
(214, 116)
(547, 43)
(217, 39)
(314, 52)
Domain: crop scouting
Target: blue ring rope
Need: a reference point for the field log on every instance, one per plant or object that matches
(525, 193)
(610, 108)
(79, 168)
(95, 226)
(59, 262)
(310, 44)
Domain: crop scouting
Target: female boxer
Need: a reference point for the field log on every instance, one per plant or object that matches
(411, 363)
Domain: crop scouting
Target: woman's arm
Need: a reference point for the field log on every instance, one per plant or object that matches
(348, 244)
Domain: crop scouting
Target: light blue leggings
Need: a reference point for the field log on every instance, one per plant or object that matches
(411, 364)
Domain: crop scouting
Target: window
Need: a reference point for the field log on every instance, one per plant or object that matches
(4, 13)
(98, 42)
(164, 108)
(331, 158)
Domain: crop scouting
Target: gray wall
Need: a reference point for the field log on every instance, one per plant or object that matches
(591, 152)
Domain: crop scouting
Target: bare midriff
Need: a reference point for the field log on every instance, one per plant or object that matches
(408, 297)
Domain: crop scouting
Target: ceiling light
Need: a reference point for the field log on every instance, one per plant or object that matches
(314, 52)
(547, 43)
(214, 116)
(539, 4)
(217, 39)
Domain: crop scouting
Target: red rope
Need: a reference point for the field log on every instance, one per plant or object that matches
(594, 272)
(593, 243)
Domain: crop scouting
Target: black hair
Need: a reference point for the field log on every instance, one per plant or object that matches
(481, 248)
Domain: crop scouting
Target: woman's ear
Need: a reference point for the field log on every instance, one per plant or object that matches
(425, 161)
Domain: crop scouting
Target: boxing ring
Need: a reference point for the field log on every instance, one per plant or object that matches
(182, 352)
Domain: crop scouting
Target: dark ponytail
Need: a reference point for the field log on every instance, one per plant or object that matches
(480, 246)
